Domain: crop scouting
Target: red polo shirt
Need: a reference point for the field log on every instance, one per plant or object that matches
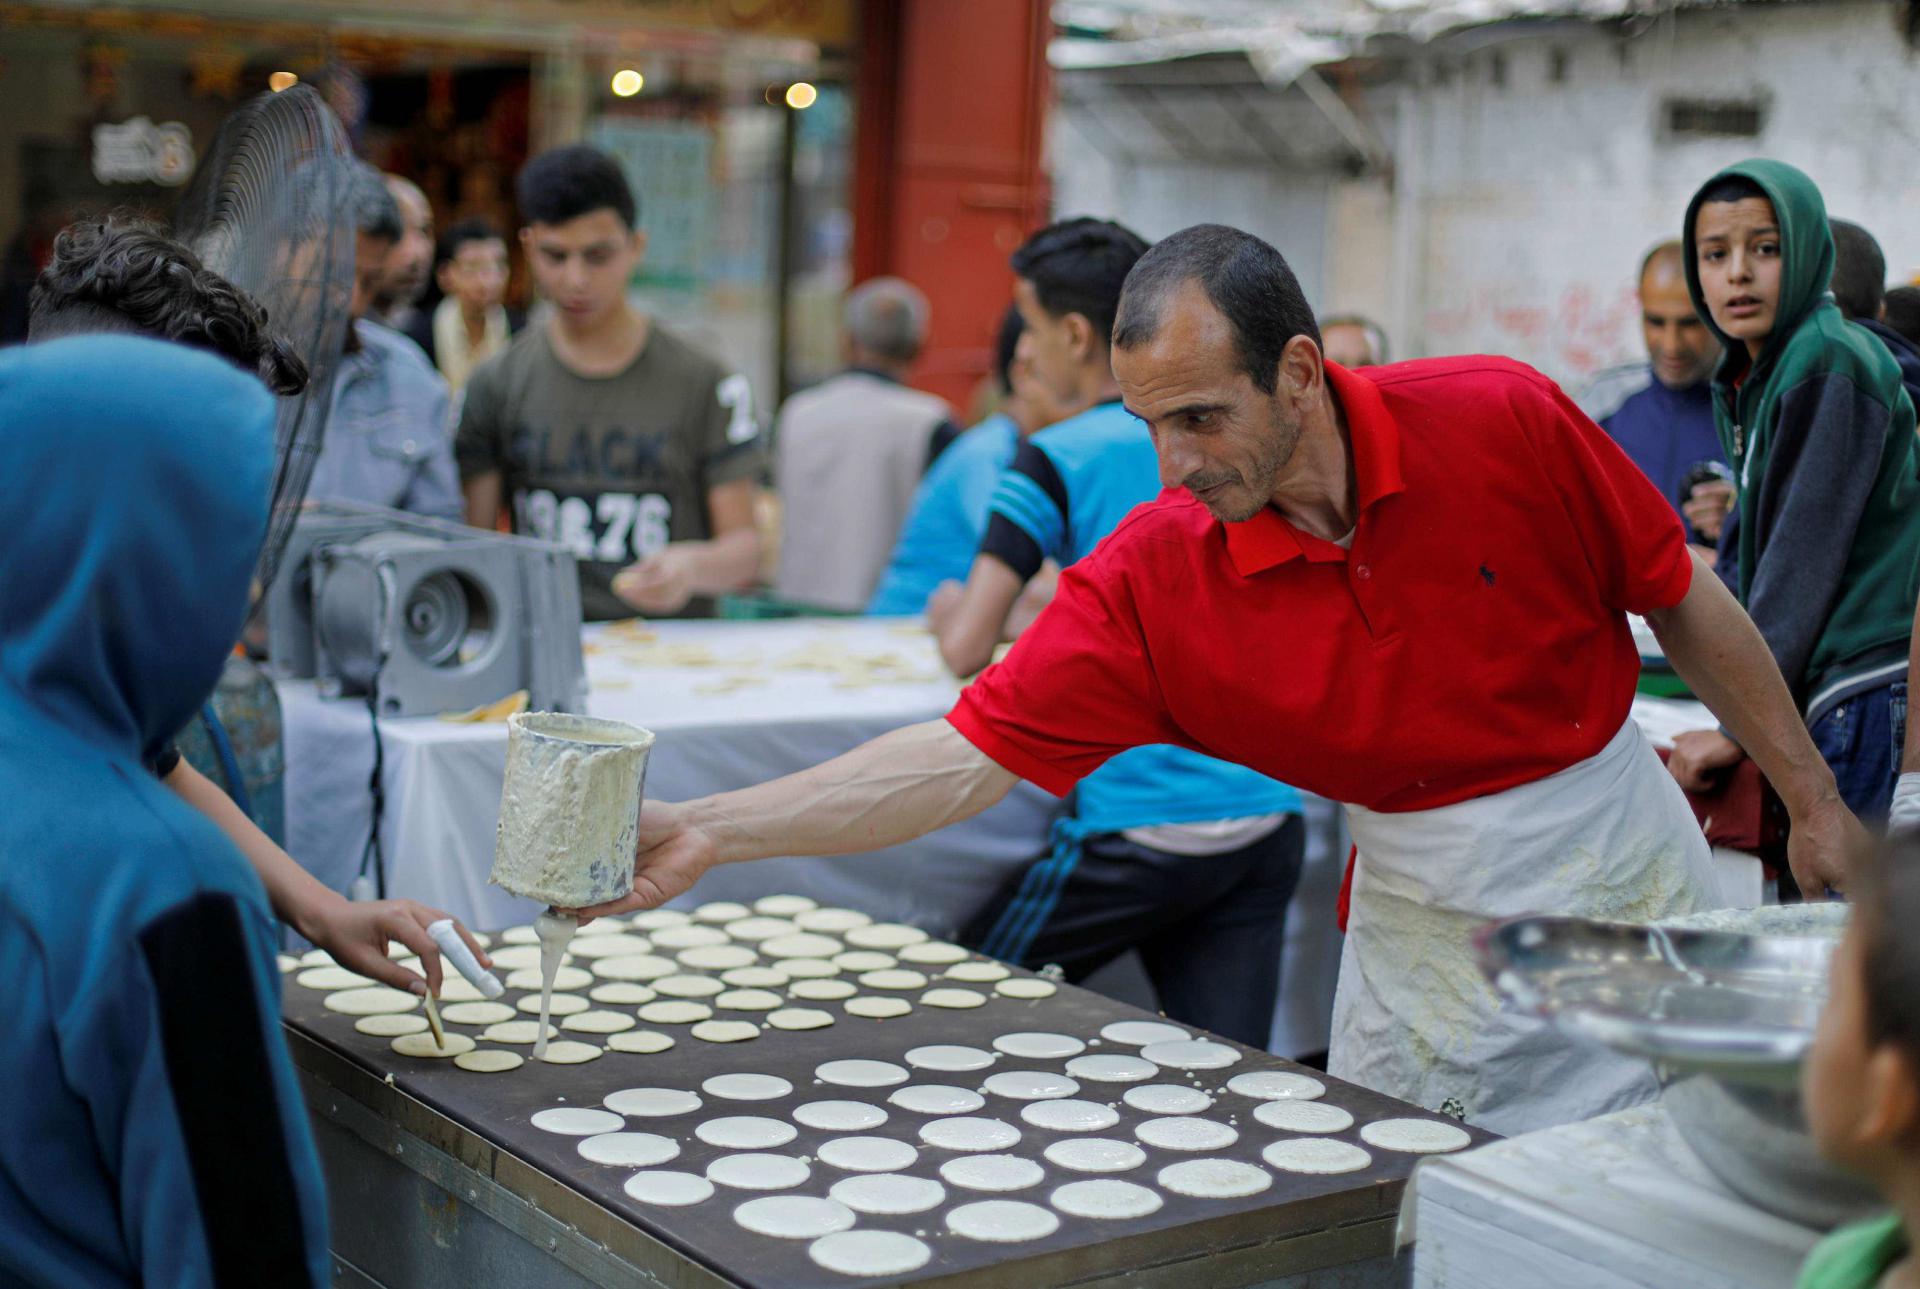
(1473, 637)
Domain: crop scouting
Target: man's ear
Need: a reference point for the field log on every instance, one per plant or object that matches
(1889, 1098)
(1302, 371)
(1081, 335)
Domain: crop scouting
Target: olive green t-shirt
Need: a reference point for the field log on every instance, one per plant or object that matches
(614, 467)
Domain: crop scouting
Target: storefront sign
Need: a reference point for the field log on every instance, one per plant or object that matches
(140, 152)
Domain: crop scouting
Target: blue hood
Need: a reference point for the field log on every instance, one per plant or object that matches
(136, 496)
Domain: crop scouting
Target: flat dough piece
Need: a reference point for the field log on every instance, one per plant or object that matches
(643, 1042)
(822, 991)
(1039, 1046)
(831, 921)
(949, 1057)
(566, 978)
(622, 993)
(562, 1005)
(576, 1121)
(863, 960)
(747, 1087)
(717, 957)
(969, 1133)
(1314, 1117)
(629, 1149)
(1194, 1054)
(651, 1103)
(619, 945)
(721, 912)
(391, 1024)
(377, 1001)
(799, 1018)
(992, 1173)
(1316, 1155)
(332, 978)
(480, 1013)
(933, 953)
(794, 1217)
(885, 935)
(1029, 1085)
(489, 1060)
(1111, 1069)
(839, 1116)
(725, 1031)
(755, 929)
(977, 973)
(1070, 1115)
(1214, 1178)
(1415, 1136)
(1105, 1199)
(746, 1132)
(756, 1171)
(935, 1098)
(601, 927)
(689, 986)
(453, 988)
(517, 1031)
(1140, 1033)
(874, 1007)
(1095, 1155)
(638, 966)
(516, 956)
(687, 937)
(867, 1154)
(889, 1194)
(286, 962)
(1167, 1098)
(519, 935)
(870, 1253)
(1187, 1134)
(953, 999)
(1277, 1085)
(1002, 1221)
(569, 1052)
(669, 1189)
(802, 945)
(660, 919)
(598, 1022)
(784, 906)
(893, 978)
(1025, 987)
(675, 1011)
(754, 978)
(747, 1000)
(807, 968)
(861, 1074)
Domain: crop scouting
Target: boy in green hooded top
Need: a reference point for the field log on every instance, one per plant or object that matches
(1820, 432)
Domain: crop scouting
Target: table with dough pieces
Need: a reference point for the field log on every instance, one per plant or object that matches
(786, 1094)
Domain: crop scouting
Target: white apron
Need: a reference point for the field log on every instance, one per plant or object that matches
(1610, 838)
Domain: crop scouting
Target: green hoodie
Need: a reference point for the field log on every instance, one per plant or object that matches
(1820, 432)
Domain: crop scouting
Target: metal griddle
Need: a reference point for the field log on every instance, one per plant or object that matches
(470, 1133)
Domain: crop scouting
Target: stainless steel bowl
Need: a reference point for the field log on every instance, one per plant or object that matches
(1724, 1006)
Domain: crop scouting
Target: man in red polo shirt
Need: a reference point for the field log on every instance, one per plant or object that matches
(1403, 588)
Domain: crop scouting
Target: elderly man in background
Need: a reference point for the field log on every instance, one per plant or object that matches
(389, 438)
(851, 450)
(1353, 341)
(397, 301)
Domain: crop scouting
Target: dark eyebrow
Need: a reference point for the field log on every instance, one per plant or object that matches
(1190, 409)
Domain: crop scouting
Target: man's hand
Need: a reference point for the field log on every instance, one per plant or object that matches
(1821, 846)
(660, 583)
(1699, 757)
(669, 858)
(356, 934)
(943, 603)
(1707, 505)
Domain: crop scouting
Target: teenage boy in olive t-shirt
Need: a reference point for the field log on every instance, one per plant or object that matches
(601, 429)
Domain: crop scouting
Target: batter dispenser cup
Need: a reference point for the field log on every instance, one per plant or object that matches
(570, 808)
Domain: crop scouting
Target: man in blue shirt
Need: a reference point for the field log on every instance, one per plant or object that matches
(1661, 412)
(1188, 859)
(154, 1131)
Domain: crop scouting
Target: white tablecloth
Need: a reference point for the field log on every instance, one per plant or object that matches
(1618, 1202)
(733, 704)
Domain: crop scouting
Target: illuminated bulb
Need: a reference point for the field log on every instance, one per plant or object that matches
(627, 82)
(801, 95)
(282, 81)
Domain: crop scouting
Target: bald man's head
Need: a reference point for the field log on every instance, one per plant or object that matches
(412, 256)
(1679, 346)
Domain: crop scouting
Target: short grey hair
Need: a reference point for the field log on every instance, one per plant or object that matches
(887, 316)
(375, 213)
